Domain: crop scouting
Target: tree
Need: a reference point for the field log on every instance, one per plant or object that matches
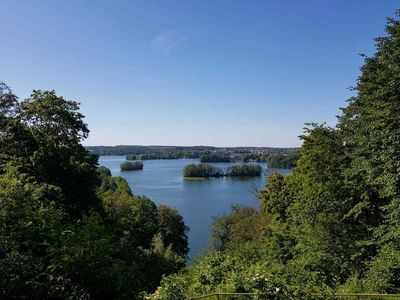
(44, 134)
(68, 229)
(370, 125)
(173, 230)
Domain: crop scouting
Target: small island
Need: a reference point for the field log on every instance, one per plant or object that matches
(131, 165)
(201, 171)
(243, 171)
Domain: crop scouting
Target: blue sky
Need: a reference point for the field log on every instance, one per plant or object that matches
(223, 73)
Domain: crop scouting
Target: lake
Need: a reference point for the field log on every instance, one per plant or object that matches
(198, 201)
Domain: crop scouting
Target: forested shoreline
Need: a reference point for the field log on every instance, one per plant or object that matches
(278, 157)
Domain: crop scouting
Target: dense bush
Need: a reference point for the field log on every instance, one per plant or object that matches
(131, 165)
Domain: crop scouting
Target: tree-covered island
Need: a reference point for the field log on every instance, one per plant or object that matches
(243, 171)
(131, 165)
(203, 170)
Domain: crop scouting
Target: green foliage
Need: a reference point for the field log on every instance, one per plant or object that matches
(215, 157)
(131, 165)
(43, 133)
(242, 225)
(243, 170)
(383, 274)
(173, 230)
(283, 160)
(206, 171)
(68, 229)
(172, 288)
(201, 170)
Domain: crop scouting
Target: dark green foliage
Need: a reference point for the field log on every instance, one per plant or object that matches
(68, 229)
(202, 170)
(243, 170)
(206, 171)
(239, 227)
(283, 160)
(131, 165)
(173, 230)
(215, 157)
(43, 133)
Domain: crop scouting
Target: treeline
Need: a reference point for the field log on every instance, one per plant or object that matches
(206, 171)
(215, 157)
(205, 154)
(333, 224)
(131, 165)
(137, 150)
(68, 229)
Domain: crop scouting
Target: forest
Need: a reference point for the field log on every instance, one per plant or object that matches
(332, 225)
(69, 230)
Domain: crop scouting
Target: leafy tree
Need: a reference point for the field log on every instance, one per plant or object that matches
(228, 232)
(68, 229)
(44, 132)
(371, 133)
(173, 230)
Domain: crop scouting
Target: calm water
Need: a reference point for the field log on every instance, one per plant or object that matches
(197, 201)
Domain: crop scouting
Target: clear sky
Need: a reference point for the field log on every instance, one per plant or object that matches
(192, 72)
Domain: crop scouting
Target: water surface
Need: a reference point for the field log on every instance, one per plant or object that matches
(198, 201)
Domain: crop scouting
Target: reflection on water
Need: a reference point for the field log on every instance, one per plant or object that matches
(196, 200)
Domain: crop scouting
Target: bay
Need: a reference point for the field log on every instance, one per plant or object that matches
(198, 201)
